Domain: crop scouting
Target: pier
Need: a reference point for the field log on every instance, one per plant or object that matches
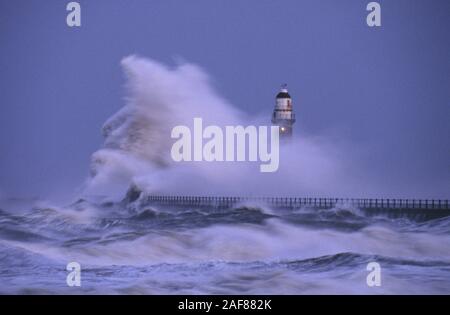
(290, 202)
(430, 208)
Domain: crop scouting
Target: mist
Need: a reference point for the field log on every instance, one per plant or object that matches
(137, 146)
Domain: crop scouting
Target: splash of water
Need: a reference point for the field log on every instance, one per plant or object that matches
(137, 144)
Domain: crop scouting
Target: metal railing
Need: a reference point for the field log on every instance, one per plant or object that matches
(290, 202)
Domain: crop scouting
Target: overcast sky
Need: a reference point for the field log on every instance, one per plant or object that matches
(384, 90)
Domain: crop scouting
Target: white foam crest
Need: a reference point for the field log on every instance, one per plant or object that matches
(273, 241)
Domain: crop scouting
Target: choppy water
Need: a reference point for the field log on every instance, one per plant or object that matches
(128, 248)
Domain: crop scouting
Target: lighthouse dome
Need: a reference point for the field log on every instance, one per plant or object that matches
(283, 94)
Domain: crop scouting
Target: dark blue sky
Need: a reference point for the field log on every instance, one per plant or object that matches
(384, 90)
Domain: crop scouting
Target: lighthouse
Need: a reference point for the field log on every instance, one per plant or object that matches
(283, 116)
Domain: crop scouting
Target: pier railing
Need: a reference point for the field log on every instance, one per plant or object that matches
(290, 202)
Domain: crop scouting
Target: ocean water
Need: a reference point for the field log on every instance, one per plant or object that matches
(136, 248)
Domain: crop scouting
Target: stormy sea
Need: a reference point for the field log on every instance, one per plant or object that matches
(130, 247)
(126, 245)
